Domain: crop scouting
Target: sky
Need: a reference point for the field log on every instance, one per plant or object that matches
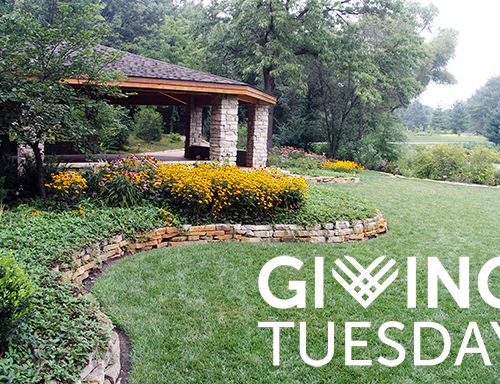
(477, 55)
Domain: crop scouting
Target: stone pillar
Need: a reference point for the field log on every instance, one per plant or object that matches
(258, 123)
(224, 128)
(193, 126)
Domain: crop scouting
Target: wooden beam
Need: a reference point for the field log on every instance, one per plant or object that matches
(245, 92)
(173, 98)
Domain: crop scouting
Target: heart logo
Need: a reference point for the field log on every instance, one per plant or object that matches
(365, 288)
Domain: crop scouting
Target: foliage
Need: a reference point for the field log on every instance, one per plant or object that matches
(290, 157)
(480, 162)
(440, 162)
(130, 21)
(37, 103)
(10, 180)
(114, 126)
(483, 103)
(124, 182)
(15, 295)
(170, 41)
(356, 80)
(197, 192)
(149, 125)
(54, 339)
(458, 118)
(302, 162)
(440, 120)
(451, 162)
(492, 128)
(25, 181)
(53, 342)
(416, 116)
(174, 138)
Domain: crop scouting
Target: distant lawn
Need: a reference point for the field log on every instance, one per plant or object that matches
(159, 146)
(192, 312)
(448, 138)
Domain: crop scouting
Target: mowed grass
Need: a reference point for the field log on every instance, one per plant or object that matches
(449, 138)
(192, 313)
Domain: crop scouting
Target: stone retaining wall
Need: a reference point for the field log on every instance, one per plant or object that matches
(107, 369)
(339, 232)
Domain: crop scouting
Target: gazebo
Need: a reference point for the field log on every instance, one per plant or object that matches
(156, 82)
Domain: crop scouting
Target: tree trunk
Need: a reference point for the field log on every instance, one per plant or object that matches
(269, 87)
(39, 170)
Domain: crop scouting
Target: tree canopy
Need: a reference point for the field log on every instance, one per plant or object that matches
(335, 67)
(36, 103)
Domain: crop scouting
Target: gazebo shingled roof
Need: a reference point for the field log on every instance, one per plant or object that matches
(160, 83)
(140, 66)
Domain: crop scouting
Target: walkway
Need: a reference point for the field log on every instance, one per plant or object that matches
(167, 157)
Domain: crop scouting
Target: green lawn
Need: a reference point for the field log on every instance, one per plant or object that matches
(192, 313)
(447, 139)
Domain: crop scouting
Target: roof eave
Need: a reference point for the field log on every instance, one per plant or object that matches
(244, 92)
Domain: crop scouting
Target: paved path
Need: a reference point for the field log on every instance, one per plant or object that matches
(172, 156)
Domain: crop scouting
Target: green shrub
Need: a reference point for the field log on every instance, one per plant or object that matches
(115, 137)
(440, 162)
(481, 167)
(114, 126)
(289, 157)
(242, 136)
(174, 138)
(15, 294)
(149, 125)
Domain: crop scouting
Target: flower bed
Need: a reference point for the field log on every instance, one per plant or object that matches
(198, 192)
(299, 161)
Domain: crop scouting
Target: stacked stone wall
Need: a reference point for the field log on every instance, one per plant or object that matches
(339, 232)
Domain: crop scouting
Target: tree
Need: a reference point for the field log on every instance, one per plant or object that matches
(458, 118)
(439, 121)
(261, 42)
(170, 42)
(35, 101)
(483, 103)
(492, 128)
(149, 125)
(416, 115)
(129, 20)
(370, 69)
